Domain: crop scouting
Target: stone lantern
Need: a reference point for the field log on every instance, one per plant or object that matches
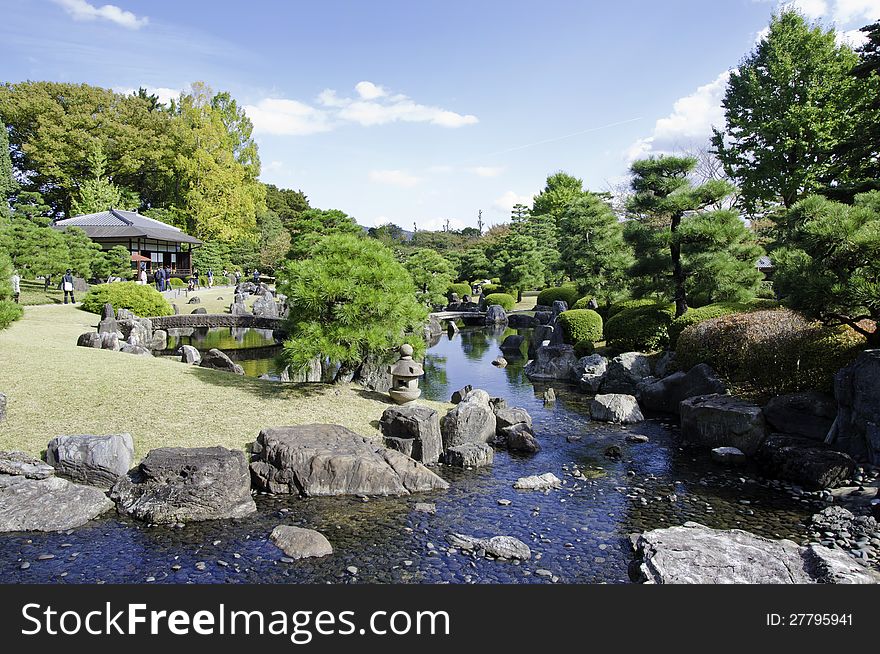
(405, 375)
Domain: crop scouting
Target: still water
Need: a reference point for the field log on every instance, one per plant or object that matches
(256, 350)
(579, 534)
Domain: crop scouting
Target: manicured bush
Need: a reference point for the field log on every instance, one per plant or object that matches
(506, 301)
(580, 325)
(617, 307)
(9, 313)
(488, 289)
(583, 303)
(144, 301)
(695, 316)
(176, 282)
(772, 352)
(584, 348)
(461, 289)
(763, 303)
(644, 327)
(567, 293)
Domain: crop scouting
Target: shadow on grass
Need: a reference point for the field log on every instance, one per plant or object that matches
(376, 396)
(262, 388)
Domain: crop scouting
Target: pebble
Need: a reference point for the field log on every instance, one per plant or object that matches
(24, 566)
(504, 502)
(45, 557)
(541, 572)
(352, 570)
(200, 565)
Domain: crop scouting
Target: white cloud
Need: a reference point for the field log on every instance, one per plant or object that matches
(288, 118)
(373, 106)
(510, 198)
(486, 171)
(165, 94)
(812, 9)
(82, 10)
(852, 38)
(847, 11)
(394, 178)
(437, 224)
(689, 124)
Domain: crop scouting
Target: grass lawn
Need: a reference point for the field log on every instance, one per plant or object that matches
(208, 298)
(32, 293)
(54, 387)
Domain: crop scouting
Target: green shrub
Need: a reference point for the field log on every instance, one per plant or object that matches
(772, 352)
(583, 303)
(584, 348)
(566, 293)
(694, 316)
(640, 327)
(488, 289)
(461, 289)
(766, 290)
(506, 301)
(580, 325)
(144, 301)
(617, 307)
(176, 282)
(495, 280)
(764, 303)
(9, 313)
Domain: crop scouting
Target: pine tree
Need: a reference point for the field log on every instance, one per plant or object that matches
(432, 275)
(97, 193)
(516, 260)
(7, 182)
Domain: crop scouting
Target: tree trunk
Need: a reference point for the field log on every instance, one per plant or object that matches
(519, 295)
(677, 271)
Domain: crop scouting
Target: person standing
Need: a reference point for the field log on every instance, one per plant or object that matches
(167, 278)
(210, 277)
(67, 286)
(195, 277)
(256, 277)
(47, 282)
(16, 286)
(237, 277)
(159, 277)
(142, 276)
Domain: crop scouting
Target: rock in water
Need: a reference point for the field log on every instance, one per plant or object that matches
(20, 463)
(471, 421)
(93, 460)
(460, 394)
(665, 395)
(519, 438)
(722, 421)
(589, 372)
(538, 482)
(512, 345)
(503, 547)
(552, 362)
(418, 424)
(617, 408)
(499, 362)
(299, 543)
(802, 414)
(625, 372)
(803, 461)
(176, 484)
(219, 360)
(495, 315)
(469, 455)
(50, 504)
(694, 554)
(728, 456)
(331, 460)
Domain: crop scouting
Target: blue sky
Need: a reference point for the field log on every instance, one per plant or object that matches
(421, 111)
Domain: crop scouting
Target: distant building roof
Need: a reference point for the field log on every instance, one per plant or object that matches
(764, 262)
(115, 223)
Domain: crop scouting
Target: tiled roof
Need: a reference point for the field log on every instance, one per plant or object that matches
(115, 223)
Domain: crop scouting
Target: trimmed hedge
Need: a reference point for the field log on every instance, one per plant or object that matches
(9, 313)
(568, 294)
(628, 304)
(580, 325)
(641, 327)
(582, 303)
(773, 352)
(584, 348)
(142, 300)
(489, 289)
(506, 301)
(696, 316)
(176, 282)
(461, 289)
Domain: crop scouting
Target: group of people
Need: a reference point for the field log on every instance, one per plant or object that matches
(65, 285)
(162, 277)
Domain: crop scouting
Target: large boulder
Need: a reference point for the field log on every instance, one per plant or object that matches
(331, 460)
(695, 554)
(159, 341)
(239, 309)
(520, 320)
(625, 371)
(219, 360)
(559, 306)
(299, 543)
(313, 372)
(177, 484)
(190, 355)
(495, 315)
(374, 374)
(543, 317)
(469, 455)
(136, 331)
(48, 504)
(803, 414)
(552, 363)
(509, 416)
(471, 421)
(616, 407)
(666, 394)
(723, 421)
(803, 461)
(110, 341)
(857, 389)
(92, 460)
(89, 339)
(542, 336)
(433, 327)
(589, 372)
(413, 430)
(502, 547)
(512, 345)
(108, 325)
(137, 350)
(266, 306)
(24, 465)
(518, 438)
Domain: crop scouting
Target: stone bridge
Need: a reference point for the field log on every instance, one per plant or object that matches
(208, 320)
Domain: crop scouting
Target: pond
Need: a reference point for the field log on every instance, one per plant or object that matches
(579, 534)
(256, 350)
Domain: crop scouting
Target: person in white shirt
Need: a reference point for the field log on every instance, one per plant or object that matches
(16, 286)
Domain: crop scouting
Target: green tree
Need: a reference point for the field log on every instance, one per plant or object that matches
(474, 264)
(81, 251)
(309, 226)
(274, 241)
(349, 300)
(431, 274)
(8, 184)
(115, 262)
(830, 266)
(593, 252)
(559, 191)
(517, 261)
(34, 249)
(786, 108)
(663, 200)
(285, 203)
(97, 193)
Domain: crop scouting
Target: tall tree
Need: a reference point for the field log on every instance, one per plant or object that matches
(474, 264)
(309, 226)
(663, 199)
(432, 274)
(516, 259)
(97, 193)
(592, 249)
(786, 108)
(8, 184)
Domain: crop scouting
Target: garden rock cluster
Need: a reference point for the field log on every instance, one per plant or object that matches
(91, 459)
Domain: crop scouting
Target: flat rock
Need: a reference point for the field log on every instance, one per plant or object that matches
(176, 484)
(695, 554)
(138, 350)
(89, 459)
(616, 407)
(803, 461)
(299, 543)
(318, 460)
(538, 482)
(504, 547)
(722, 421)
(802, 414)
(24, 465)
(728, 456)
(49, 504)
(510, 416)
